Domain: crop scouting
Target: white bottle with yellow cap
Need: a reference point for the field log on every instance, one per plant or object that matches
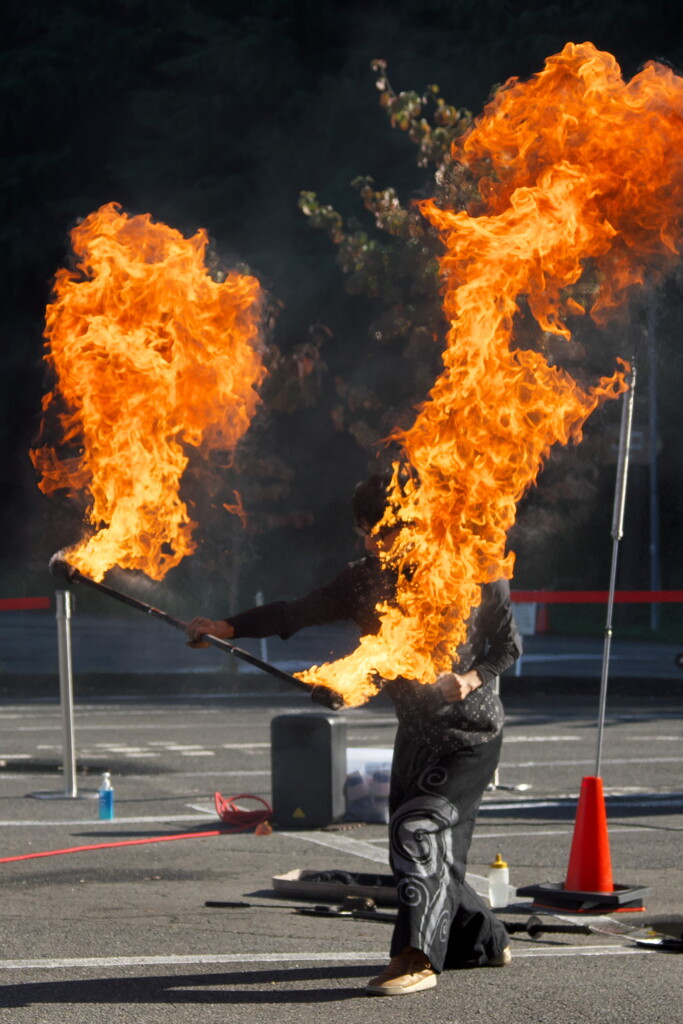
(499, 883)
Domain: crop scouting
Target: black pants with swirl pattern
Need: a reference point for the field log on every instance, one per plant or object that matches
(434, 802)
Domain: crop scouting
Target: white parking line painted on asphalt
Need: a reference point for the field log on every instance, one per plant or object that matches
(615, 829)
(609, 760)
(541, 739)
(109, 726)
(242, 773)
(171, 698)
(101, 963)
(356, 847)
(178, 960)
(577, 951)
(111, 749)
(612, 716)
(242, 746)
(114, 823)
(506, 833)
(660, 739)
(666, 800)
(43, 706)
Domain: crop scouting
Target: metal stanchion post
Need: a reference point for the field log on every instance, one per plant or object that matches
(617, 534)
(264, 641)
(66, 690)
(63, 615)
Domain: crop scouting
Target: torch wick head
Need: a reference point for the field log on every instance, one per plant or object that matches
(60, 568)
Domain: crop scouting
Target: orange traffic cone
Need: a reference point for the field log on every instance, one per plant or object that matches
(590, 864)
(588, 887)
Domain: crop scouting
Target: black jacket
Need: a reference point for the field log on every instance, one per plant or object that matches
(493, 644)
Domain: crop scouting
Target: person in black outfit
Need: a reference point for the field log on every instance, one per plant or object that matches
(445, 754)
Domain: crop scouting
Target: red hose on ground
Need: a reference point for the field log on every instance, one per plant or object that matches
(228, 811)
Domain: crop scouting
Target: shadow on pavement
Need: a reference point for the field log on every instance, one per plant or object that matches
(226, 987)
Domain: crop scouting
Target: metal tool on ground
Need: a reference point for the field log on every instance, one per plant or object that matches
(60, 568)
(333, 885)
(658, 932)
(669, 925)
(356, 907)
(360, 908)
(536, 926)
(242, 905)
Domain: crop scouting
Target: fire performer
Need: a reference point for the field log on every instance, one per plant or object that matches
(445, 754)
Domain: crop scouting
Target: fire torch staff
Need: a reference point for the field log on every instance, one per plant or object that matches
(445, 754)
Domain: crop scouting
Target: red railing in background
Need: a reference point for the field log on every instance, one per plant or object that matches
(538, 622)
(22, 604)
(596, 596)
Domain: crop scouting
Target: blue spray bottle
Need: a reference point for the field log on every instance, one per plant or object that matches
(105, 795)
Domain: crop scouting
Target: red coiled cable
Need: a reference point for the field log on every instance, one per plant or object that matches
(238, 817)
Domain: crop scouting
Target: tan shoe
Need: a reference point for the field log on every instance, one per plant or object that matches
(408, 971)
(501, 960)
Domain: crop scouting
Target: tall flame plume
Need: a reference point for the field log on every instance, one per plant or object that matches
(150, 355)
(582, 166)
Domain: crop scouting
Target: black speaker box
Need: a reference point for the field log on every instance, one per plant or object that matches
(308, 766)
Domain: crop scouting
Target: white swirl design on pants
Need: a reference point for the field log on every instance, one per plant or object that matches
(443, 926)
(418, 828)
(422, 856)
(413, 892)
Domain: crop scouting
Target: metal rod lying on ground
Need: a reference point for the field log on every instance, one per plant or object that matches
(60, 568)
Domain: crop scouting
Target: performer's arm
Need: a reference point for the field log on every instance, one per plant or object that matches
(330, 603)
(504, 645)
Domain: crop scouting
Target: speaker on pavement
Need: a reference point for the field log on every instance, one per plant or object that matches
(308, 767)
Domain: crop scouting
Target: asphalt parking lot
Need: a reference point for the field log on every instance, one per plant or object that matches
(123, 933)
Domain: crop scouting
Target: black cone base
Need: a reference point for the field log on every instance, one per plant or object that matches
(554, 896)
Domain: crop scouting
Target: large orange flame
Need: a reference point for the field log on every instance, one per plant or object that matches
(582, 165)
(150, 354)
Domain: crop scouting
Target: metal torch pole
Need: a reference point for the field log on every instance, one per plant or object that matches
(617, 534)
(318, 693)
(66, 690)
